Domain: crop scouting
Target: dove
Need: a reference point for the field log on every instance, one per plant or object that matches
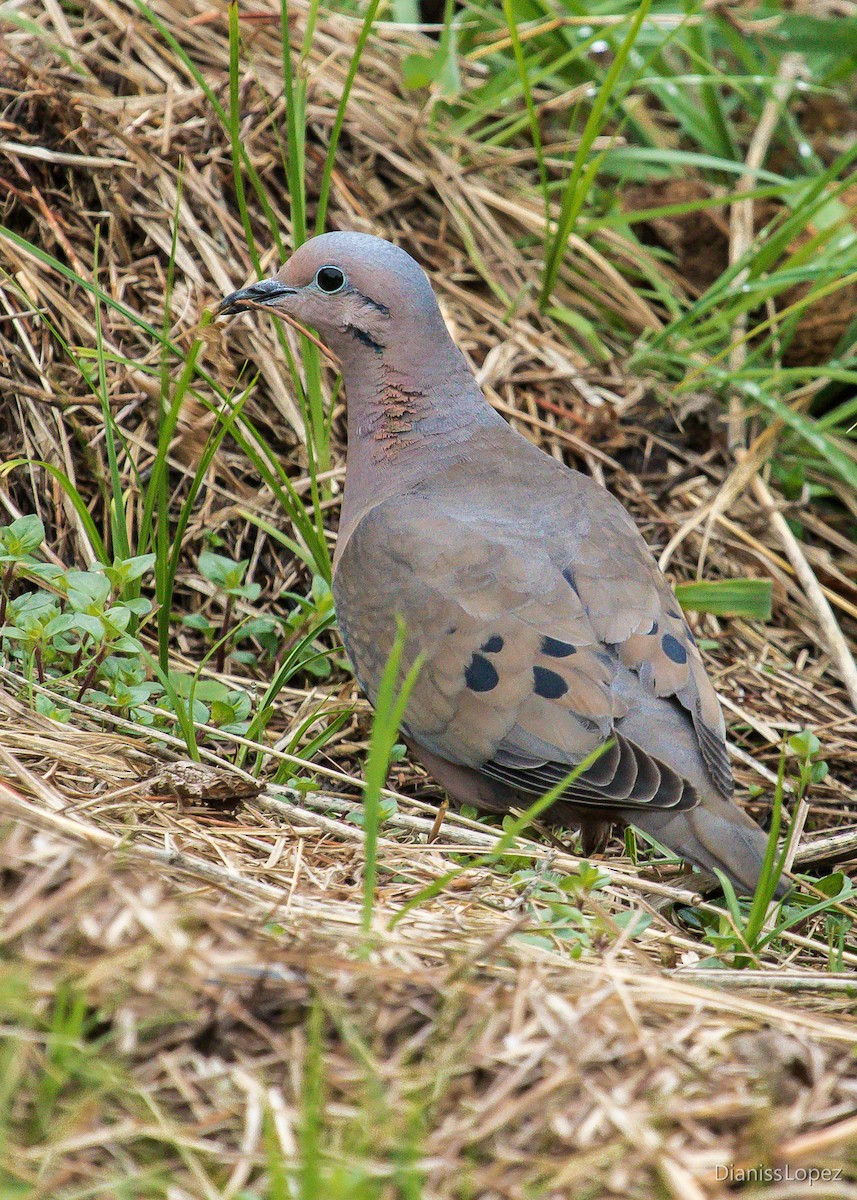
(546, 628)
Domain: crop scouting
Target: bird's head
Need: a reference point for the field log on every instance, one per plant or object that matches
(358, 291)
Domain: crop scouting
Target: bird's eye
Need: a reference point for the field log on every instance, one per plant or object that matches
(330, 279)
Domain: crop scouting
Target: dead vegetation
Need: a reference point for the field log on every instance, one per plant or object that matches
(227, 1015)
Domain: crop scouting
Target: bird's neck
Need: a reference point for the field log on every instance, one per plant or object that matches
(408, 415)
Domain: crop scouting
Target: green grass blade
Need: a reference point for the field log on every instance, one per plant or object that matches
(527, 92)
(389, 709)
(748, 598)
(330, 157)
(576, 187)
(120, 543)
(236, 146)
(508, 837)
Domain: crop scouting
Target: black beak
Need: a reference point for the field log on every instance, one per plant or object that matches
(267, 291)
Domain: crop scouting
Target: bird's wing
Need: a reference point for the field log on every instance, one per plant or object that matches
(633, 609)
(522, 652)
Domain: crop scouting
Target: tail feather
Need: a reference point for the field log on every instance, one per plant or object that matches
(714, 835)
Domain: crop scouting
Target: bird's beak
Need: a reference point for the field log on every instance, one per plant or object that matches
(267, 292)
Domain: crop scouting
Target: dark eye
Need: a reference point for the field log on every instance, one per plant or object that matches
(330, 279)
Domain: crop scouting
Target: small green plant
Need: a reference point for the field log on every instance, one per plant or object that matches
(276, 637)
(228, 577)
(74, 633)
(556, 904)
(213, 702)
(75, 630)
(292, 642)
(811, 767)
(742, 933)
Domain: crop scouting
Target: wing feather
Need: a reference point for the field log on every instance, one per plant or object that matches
(525, 644)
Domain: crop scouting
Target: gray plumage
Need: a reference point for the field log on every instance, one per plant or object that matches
(546, 626)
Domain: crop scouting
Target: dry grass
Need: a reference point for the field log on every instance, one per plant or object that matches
(227, 1013)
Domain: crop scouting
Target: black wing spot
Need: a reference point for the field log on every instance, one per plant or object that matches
(548, 684)
(494, 644)
(653, 630)
(554, 648)
(671, 612)
(673, 649)
(481, 676)
(569, 579)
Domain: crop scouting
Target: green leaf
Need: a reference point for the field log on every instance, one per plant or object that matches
(126, 644)
(129, 569)
(617, 160)
(30, 604)
(749, 598)
(119, 617)
(87, 589)
(59, 624)
(222, 714)
(535, 939)
(48, 708)
(804, 744)
(418, 71)
(47, 571)
(832, 885)
(87, 623)
(249, 591)
(405, 12)
(224, 572)
(210, 690)
(197, 621)
(819, 772)
(138, 605)
(440, 68)
(23, 536)
(635, 922)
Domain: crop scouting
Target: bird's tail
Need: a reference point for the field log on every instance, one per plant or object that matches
(715, 834)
